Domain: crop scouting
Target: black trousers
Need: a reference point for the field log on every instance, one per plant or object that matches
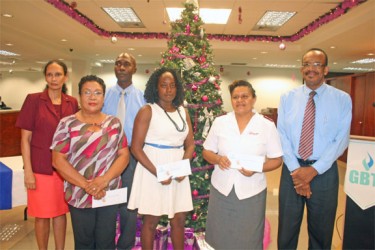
(128, 218)
(94, 228)
(321, 209)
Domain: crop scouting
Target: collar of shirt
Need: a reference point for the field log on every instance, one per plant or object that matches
(128, 89)
(319, 91)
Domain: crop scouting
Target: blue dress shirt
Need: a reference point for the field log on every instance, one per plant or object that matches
(332, 125)
(134, 100)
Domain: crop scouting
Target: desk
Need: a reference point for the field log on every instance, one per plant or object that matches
(19, 194)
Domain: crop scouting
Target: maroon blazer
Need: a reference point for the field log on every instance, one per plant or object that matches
(41, 117)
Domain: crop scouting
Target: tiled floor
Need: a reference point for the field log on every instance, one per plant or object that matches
(15, 233)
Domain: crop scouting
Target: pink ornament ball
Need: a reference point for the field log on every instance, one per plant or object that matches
(202, 59)
(194, 154)
(195, 193)
(194, 87)
(194, 216)
(205, 98)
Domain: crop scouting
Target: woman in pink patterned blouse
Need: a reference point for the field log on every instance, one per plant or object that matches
(90, 152)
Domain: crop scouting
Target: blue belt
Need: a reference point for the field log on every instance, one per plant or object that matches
(162, 146)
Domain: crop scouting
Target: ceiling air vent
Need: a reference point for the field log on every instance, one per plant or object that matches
(238, 64)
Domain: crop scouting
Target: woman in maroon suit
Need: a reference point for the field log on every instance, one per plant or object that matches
(38, 119)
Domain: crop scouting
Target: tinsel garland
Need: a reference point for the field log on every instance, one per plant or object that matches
(341, 9)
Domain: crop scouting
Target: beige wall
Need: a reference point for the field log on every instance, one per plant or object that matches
(269, 83)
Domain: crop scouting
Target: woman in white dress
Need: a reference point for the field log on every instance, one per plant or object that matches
(162, 134)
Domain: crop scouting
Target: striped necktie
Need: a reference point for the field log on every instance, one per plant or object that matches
(121, 108)
(306, 142)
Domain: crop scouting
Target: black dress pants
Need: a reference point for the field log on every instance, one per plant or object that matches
(321, 209)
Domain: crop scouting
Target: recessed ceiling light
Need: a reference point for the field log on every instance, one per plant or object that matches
(140, 55)
(370, 54)
(6, 63)
(131, 49)
(209, 16)
(107, 61)
(335, 63)
(273, 20)
(358, 69)
(280, 66)
(64, 40)
(9, 44)
(333, 47)
(263, 52)
(365, 61)
(7, 53)
(254, 58)
(125, 17)
(7, 15)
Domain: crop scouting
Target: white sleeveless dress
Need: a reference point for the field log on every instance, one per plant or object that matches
(148, 195)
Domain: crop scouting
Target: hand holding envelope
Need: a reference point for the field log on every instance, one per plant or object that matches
(112, 197)
(173, 170)
(249, 162)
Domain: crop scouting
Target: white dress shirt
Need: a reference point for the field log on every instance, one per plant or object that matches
(260, 138)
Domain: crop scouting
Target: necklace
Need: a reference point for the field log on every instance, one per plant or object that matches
(174, 123)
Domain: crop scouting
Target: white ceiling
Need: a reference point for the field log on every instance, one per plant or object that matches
(37, 28)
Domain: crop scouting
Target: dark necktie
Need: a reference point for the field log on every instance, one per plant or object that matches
(307, 135)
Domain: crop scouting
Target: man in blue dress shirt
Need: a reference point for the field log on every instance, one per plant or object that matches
(311, 182)
(133, 100)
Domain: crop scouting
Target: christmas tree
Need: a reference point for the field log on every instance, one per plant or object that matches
(189, 53)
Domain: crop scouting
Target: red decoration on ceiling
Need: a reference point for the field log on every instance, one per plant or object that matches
(239, 15)
(73, 4)
(334, 13)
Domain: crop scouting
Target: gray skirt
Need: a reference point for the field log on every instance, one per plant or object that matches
(233, 223)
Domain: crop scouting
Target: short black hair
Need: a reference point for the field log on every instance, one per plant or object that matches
(151, 92)
(132, 58)
(90, 78)
(238, 83)
(320, 50)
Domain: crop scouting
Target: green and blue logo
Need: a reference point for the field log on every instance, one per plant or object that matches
(368, 164)
(364, 178)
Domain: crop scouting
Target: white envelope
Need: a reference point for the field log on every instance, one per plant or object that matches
(248, 162)
(112, 197)
(173, 169)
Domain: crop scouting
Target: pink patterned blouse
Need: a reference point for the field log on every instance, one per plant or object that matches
(90, 153)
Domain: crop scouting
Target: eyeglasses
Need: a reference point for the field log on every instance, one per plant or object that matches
(243, 97)
(314, 65)
(88, 93)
